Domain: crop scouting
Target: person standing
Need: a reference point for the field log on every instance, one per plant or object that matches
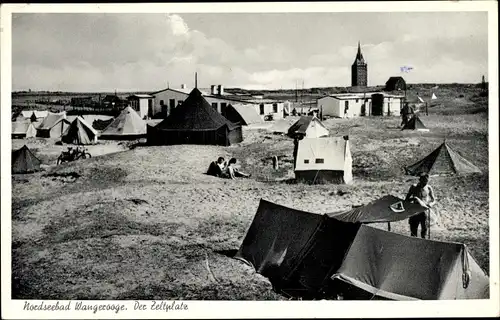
(423, 193)
(405, 112)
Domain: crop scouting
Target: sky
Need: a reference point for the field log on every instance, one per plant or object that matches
(146, 52)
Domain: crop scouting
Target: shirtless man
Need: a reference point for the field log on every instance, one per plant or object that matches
(424, 194)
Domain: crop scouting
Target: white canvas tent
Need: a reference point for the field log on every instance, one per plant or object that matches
(128, 125)
(24, 129)
(324, 160)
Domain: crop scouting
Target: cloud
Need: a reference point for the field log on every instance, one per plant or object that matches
(142, 52)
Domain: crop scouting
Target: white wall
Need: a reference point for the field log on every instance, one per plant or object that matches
(334, 107)
(330, 107)
(166, 96)
(269, 109)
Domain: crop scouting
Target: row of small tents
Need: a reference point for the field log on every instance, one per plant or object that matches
(329, 160)
(128, 125)
(323, 256)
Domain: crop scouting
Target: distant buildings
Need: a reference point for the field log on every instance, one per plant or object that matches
(360, 104)
(168, 99)
(395, 84)
(359, 70)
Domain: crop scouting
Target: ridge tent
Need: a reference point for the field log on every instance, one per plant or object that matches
(80, 132)
(386, 265)
(24, 161)
(415, 124)
(24, 129)
(442, 160)
(53, 125)
(323, 160)
(281, 126)
(244, 114)
(128, 125)
(299, 251)
(195, 122)
(308, 126)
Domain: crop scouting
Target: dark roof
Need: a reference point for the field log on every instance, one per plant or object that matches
(393, 80)
(195, 113)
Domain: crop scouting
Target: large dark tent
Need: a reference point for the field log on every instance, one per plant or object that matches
(24, 161)
(387, 265)
(442, 161)
(300, 252)
(415, 124)
(195, 122)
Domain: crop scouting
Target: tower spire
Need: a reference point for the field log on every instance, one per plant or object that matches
(359, 55)
(196, 79)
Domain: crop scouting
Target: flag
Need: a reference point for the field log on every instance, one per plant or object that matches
(421, 100)
(434, 97)
(405, 69)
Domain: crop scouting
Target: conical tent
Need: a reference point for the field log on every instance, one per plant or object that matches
(415, 124)
(80, 132)
(24, 161)
(308, 126)
(195, 122)
(442, 160)
(128, 125)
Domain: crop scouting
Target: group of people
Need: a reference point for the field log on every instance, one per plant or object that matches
(225, 169)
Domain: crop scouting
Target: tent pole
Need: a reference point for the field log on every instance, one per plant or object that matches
(388, 226)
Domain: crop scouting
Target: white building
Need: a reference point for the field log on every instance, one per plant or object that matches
(168, 99)
(360, 104)
(142, 104)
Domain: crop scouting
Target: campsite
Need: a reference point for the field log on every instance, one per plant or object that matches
(140, 221)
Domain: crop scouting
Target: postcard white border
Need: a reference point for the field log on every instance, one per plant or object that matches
(12, 309)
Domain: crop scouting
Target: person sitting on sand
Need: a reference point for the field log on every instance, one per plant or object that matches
(231, 172)
(424, 194)
(216, 167)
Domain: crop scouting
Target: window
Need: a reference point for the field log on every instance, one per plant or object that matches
(275, 107)
(357, 100)
(223, 106)
(306, 160)
(261, 108)
(214, 105)
(347, 105)
(320, 160)
(162, 103)
(172, 104)
(366, 100)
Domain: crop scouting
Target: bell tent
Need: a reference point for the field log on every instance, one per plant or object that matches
(24, 129)
(80, 132)
(442, 161)
(53, 125)
(324, 160)
(317, 256)
(415, 124)
(390, 266)
(127, 126)
(243, 114)
(195, 122)
(308, 126)
(24, 161)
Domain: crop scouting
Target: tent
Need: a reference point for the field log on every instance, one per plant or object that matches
(281, 126)
(323, 160)
(386, 209)
(415, 124)
(28, 114)
(442, 160)
(244, 114)
(24, 129)
(53, 125)
(195, 122)
(24, 161)
(308, 126)
(80, 132)
(387, 265)
(128, 125)
(312, 256)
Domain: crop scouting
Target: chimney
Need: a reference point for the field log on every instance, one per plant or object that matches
(213, 89)
(183, 86)
(220, 89)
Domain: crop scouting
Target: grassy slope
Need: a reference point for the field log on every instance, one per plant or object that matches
(144, 223)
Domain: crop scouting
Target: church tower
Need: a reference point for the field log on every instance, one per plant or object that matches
(359, 70)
